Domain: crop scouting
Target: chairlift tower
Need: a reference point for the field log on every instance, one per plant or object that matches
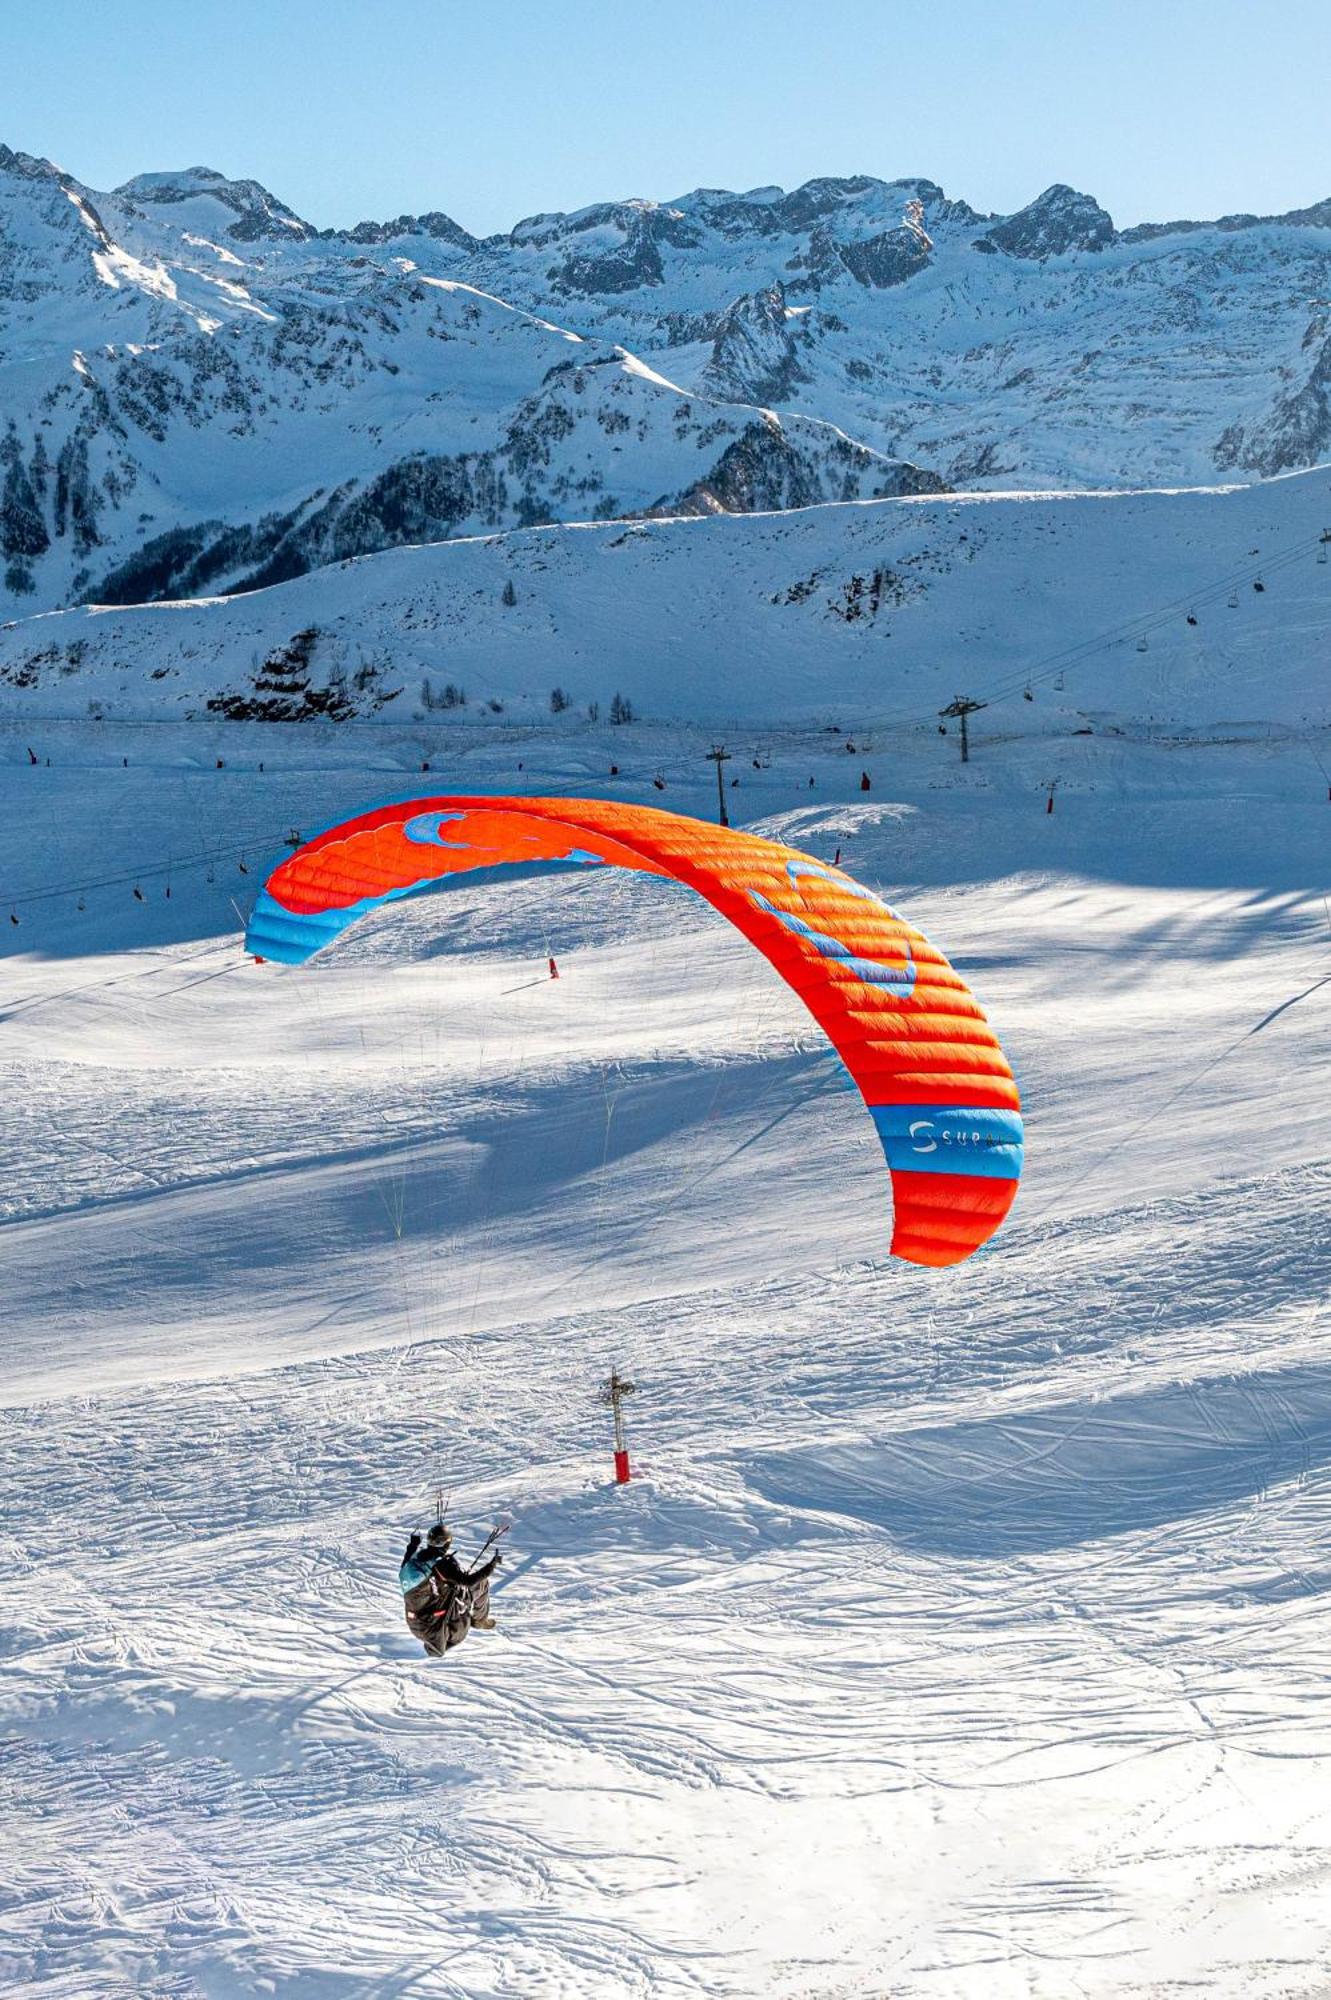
(961, 708)
(719, 755)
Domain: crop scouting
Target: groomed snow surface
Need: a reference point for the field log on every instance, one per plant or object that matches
(962, 1634)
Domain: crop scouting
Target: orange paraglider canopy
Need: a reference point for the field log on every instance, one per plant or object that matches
(907, 1027)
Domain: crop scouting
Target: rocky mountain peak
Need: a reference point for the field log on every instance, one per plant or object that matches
(1057, 221)
(612, 247)
(440, 228)
(27, 166)
(200, 196)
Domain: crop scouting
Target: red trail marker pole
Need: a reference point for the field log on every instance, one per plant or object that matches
(614, 1393)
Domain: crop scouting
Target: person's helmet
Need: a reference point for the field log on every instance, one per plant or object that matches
(439, 1537)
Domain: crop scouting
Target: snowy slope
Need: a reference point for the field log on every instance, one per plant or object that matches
(848, 614)
(963, 1633)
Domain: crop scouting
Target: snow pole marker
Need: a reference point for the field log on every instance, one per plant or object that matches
(613, 1394)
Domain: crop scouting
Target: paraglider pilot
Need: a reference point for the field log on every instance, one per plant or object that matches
(443, 1601)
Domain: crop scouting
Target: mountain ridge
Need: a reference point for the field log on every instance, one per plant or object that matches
(772, 196)
(200, 391)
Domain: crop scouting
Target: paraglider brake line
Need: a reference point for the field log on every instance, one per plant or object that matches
(1052, 1206)
(495, 1535)
(825, 1083)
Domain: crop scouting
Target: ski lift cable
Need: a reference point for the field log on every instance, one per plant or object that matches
(1210, 1062)
(1144, 623)
(233, 850)
(151, 872)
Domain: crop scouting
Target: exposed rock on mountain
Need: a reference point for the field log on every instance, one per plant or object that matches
(440, 228)
(754, 355)
(615, 247)
(887, 259)
(1297, 429)
(1059, 220)
(764, 471)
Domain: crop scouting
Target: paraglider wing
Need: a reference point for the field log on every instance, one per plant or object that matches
(906, 1026)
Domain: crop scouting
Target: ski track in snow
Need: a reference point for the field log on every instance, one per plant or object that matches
(963, 1634)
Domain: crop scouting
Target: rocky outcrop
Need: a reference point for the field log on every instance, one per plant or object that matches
(754, 355)
(614, 247)
(1297, 432)
(764, 471)
(887, 259)
(286, 687)
(1058, 221)
(437, 226)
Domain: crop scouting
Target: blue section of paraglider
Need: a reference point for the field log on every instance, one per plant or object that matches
(845, 883)
(899, 979)
(290, 938)
(423, 830)
(950, 1139)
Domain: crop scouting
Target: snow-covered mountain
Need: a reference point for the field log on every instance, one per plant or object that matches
(198, 390)
(1041, 348)
(181, 415)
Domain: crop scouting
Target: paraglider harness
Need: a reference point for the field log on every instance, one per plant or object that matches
(445, 1602)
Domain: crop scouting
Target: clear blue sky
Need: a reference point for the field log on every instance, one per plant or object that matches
(350, 109)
